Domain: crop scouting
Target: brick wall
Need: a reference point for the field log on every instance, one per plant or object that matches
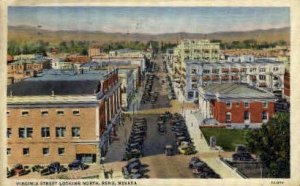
(237, 109)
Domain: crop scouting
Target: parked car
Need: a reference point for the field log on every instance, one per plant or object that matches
(169, 151)
(193, 162)
(77, 164)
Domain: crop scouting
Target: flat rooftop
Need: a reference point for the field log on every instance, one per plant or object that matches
(235, 90)
(60, 82)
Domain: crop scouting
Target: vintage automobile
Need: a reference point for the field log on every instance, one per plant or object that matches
(54, 167)
(77, 165)
(133, 153)
(186, 149)
(169, 150)
(194, 160)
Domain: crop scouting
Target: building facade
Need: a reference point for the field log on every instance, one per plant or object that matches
(202, 50)
(236, 105)
(19, 70)
(53, 118)
(265, 74)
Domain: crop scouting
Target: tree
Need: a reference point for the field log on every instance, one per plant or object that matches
(272, 144)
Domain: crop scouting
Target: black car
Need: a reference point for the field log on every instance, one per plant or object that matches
(76, 165)
(193, 162)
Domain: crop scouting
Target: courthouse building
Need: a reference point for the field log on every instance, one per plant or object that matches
(62, 116)
(236, 105)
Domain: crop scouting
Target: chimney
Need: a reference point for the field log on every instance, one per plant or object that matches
(52, 93)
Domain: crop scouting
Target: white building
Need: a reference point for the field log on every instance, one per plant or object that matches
(265, 74)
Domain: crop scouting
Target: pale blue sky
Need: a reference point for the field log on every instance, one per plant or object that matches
(152, 20)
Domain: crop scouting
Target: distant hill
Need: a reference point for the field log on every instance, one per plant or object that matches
(27, 33)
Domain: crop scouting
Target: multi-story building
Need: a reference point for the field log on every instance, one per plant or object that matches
(60, 64)
(94, 51)
(117, 61)
(198, 50)
(19, 70)
(236, 105)
(62, 116)
(126, 77)
(265, 74)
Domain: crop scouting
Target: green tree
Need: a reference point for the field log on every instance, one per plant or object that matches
(272, 144)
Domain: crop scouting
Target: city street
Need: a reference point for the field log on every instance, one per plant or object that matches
(160, 165)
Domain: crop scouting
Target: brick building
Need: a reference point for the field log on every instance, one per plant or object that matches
(236, 105)
(19, 70)
(62, 116)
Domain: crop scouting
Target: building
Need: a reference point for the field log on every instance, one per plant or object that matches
(236, 105)
(126, 77)
(202, 50)
(128, 53)
(62, 116)
(60, 64)
(265, 74)
(121, 61)
(21, 69)
(94, 52)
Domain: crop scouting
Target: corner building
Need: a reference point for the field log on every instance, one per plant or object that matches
(62, 116)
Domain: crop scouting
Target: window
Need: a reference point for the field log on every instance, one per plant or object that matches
(45, 151)
(25, 132)
(25, 151)
(76, 112)
(60, 112)
(262, 70)
(246, 104)
(275, 69)
(252, 69)
(25, 113)
(7, 113)
(61, 151)
(265, 104)
(8, 151)
(246, 116)
(238, 104)
(262, 77)
(44, 112)
(8, 132)
(215, 71)
(264, 116)
(45, 132)
(228, 104)
(194, 71)
(206, 71)
(60, 131)
(228, 117)
(75, 131)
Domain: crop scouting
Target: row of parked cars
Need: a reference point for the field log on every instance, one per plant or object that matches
(148, 95)
(135, 145)
(184, 142)
(201, 169)
(52, 168)
(134, 169)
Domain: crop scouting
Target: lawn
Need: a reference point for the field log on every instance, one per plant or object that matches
(226, 138)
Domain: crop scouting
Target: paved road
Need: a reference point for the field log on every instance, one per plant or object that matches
(159, 165)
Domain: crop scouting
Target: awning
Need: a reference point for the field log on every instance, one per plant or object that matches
(86, 149)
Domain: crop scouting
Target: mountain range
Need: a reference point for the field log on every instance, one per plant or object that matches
(28, 33)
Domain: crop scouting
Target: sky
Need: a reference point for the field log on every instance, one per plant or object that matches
(152, 20)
